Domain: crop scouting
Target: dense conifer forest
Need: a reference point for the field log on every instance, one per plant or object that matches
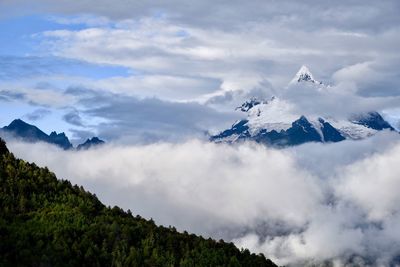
(49, 222)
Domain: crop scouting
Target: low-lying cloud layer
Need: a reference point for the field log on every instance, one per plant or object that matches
(309, 204)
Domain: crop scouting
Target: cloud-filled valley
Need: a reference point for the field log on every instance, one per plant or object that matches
(307, 204)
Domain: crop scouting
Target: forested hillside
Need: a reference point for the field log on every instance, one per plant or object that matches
(49, 222)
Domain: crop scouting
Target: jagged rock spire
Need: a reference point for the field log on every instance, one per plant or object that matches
(304, 75)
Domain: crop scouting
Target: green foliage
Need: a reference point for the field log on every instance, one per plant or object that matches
(49, 222)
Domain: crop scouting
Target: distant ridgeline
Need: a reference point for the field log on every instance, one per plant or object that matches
(30, 133)
(49, 222)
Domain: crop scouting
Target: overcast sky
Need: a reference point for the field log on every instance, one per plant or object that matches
(139, 71)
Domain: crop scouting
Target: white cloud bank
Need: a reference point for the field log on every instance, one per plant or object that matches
(309, 204)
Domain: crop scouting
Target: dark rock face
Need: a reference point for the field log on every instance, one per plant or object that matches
(373, 120)
(31, 133)
(94, 141)
(246, 106)
(330, 133)
(28, 132)
(60, 139)
(301, 131)
(240, 128)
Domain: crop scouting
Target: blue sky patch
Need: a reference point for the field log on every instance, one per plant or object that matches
(23, 67)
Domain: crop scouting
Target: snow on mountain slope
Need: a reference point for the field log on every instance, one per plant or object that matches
(352, 130)
(275, 114)
(276, 122)
(304, 75)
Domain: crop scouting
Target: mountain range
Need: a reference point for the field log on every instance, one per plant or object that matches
(271, 121)
(30, 133)
(267, 121)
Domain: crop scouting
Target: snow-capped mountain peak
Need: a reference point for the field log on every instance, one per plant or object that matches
(276, 122)
(304, 75)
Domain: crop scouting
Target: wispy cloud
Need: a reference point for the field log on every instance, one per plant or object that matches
(186, 53)
(38, 114)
